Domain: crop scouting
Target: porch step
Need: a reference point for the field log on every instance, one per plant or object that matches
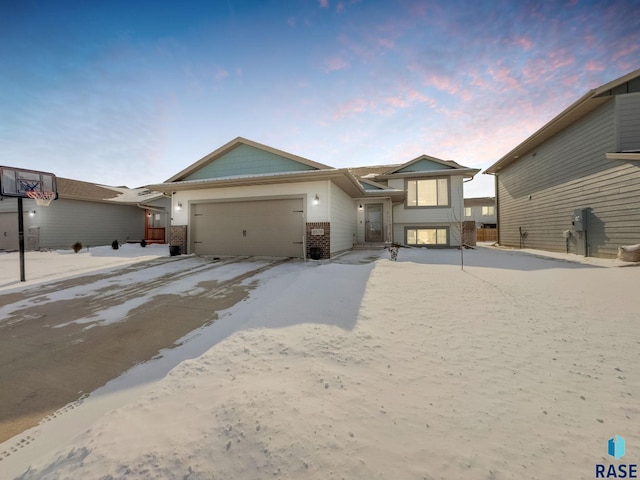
(370, 246)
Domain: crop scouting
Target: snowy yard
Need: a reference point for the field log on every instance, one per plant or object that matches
(518, 367)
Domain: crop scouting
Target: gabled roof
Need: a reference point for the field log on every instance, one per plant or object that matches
(425, 165)
(91, 192)
(584, 105)
(190, 171)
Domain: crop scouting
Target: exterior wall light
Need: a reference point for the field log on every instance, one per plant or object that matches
(32, 213)
(360, 207)
(179, 206)
(316, 200)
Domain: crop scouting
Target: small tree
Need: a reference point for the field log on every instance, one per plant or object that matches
(76, 247)
(115, 245)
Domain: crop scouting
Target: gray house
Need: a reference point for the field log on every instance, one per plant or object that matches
(482, 211)
(85, 212)
(574, 185)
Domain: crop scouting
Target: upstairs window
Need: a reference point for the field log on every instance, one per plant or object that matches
(486, 211)
(467, 211)
(432, 192)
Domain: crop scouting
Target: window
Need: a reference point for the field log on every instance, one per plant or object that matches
(467, 211)
(432, 192)
(427, 236)
(488, 210)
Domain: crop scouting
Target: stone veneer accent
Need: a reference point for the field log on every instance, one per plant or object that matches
(322, 241)
(178, 236)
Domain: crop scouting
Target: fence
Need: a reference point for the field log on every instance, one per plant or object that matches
(487, 234)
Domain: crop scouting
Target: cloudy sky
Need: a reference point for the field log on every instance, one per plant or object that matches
(130, 93)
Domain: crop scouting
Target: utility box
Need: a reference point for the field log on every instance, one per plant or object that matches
(579, 220)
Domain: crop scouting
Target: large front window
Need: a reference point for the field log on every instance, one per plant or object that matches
(432, 192)
(427, 236)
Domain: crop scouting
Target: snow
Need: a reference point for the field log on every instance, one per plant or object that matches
(521, 365)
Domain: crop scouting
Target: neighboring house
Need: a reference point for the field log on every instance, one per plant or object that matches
(250, 199)
(85, 212)
(482, 211)
(574, 185)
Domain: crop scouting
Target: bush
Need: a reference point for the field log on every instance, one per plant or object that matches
(76, 247)
(115, 245)
(143, 243)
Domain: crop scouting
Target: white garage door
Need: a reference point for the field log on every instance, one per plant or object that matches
(261, 228)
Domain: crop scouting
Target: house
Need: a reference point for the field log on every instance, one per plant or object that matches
(482, 211)
(574, 185)
(246, 198)
(85, 212)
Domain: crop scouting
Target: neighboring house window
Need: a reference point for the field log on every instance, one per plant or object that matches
(467, 211)
(432, 192)
(488, 210)
(427, 236)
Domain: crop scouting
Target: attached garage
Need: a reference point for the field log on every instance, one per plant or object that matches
(269, 227)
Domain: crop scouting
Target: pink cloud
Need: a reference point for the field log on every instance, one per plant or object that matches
(335, 64)
(442, 83)
(324, 3)
(523, 42)
(340, 7)
(592, 66)
(386, 42)
(504, 76)
(352, 107)
(625, 51)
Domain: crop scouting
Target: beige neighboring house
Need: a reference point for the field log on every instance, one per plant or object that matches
(246, 198)
(86, 212)
(482, 211)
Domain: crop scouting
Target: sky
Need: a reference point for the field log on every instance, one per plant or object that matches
(131, 93)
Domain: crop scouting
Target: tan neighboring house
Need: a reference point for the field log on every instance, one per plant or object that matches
(246, 198)
(86, 212)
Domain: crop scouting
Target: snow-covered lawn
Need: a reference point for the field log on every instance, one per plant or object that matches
(519, 366)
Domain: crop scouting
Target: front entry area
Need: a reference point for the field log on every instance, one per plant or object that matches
(373, 223)
(272, 228)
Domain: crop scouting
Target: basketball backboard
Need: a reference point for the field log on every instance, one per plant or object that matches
(16, 182)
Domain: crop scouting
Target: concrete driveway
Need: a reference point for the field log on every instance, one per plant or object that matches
(62, 340)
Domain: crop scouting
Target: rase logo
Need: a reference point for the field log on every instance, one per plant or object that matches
(616, 449)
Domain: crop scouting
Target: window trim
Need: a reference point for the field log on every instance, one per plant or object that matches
(488, 214)
(426, 227)
(417, 179)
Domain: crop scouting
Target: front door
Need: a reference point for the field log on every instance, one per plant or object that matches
(373, 223)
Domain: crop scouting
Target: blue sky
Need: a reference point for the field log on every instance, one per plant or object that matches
(130, 93)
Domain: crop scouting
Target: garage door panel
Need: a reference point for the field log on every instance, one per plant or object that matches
(255, 228)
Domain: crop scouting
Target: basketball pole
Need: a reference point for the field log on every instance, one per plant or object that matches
(21, 238)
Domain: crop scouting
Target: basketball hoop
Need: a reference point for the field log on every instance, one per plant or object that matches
(42, 198)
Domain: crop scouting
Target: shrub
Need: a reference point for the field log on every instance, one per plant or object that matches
(76, 247)
(143, 243)
(115, 245)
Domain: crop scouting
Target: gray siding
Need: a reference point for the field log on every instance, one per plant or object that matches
(540, 191)
(91, 223)
(628, 121)
(66, 221)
